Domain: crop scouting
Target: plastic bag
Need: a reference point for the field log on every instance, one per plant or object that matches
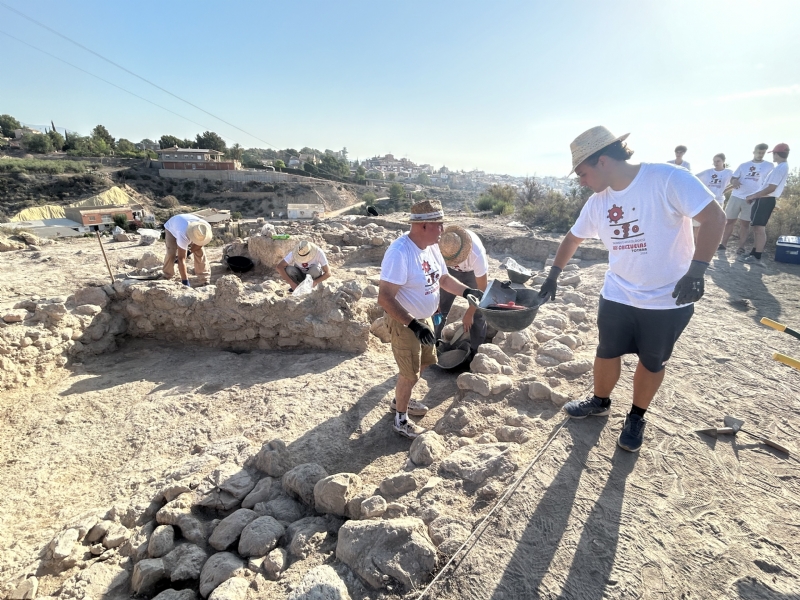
(305, 287)
(118, 230)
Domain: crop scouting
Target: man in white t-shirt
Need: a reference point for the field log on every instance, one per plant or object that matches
(306, 259)
(466, 260)
(642, 215)
(412, 272)
(184, 233)
(747, 179)
(764, 202)
(679, 162)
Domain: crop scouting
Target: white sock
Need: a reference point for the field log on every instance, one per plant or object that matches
(400, 418)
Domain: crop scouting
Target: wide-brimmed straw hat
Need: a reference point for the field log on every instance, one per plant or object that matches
(199, 232)
(305, 249)
(455, 245)
(591, 141)
(426, 211)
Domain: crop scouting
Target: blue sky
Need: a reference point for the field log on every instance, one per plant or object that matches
(501, 86)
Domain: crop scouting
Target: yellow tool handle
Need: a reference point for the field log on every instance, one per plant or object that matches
(787, 360)
(773, 324)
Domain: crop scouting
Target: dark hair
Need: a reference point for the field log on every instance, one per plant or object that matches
(680, 148)
(781, 154)
(762, 147)
(617, 150)
(722, 156)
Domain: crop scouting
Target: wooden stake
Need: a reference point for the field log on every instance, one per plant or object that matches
(103, 250)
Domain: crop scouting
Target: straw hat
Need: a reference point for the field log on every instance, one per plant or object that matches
(199, 232)
(455, 245)
(426, 211)
(590, 142)
(305, 249)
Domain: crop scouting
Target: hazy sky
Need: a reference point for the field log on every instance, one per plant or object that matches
(501, 86)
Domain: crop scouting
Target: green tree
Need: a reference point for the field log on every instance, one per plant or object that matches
(125, 146)
(235, 216)
(423, 179)
(310, 168)
(101, 133)
(417, 196)
(57, 139)
(397, 193)
(37, 143)
(279, 164)
(120, 220)
(392, 177)
(331, 165)
(369, 198)
(8, 124)
(374, 175)
(170, 141)
(236, 151)
(361, 174)
(211, 141)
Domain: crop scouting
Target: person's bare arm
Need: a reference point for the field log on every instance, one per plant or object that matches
(387, 300)
(450, 284)
(182, 264)
(469, 316)
(712, 224)
(735, 183)
(767, 191)
(326, 272)
(566, 250)
(282, 272)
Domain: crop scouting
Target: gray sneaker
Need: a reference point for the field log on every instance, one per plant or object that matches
(591, 407)
(408, 429)
(752, 260)
(415, 409)
(632, 433)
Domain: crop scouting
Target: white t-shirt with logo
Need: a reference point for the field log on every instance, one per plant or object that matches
(476, 261)
(685, 164)
(752, 176)
(417, 271)
(648, 232)
(177, 226)
(716, 181)
(778, 176)
(304, 263)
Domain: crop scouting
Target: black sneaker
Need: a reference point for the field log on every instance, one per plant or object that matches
(580, 409)
(632, 433)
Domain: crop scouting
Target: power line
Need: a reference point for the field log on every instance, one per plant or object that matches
(108, 60)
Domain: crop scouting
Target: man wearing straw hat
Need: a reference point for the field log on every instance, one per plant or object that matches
(642, 213)
(184, 233)
(466, 261)
(412, 273)
(306, 259)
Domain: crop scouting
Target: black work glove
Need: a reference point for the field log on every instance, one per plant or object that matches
(423, 333)
(473, 292)
(691, 287)
(549, 287)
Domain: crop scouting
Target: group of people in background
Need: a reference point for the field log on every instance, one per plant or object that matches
(754, 186)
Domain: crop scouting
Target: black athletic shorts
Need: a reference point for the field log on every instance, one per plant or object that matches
(761, 211)
(649, 333)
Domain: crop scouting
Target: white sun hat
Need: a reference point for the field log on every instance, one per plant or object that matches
(591, 141)
(199, 232)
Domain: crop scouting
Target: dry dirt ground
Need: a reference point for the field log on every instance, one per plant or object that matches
(687, 517)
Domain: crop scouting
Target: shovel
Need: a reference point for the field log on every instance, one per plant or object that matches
(736, 425)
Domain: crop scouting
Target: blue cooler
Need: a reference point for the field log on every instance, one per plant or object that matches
(787, 249)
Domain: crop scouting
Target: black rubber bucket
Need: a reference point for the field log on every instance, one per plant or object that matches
(496, 310)
(239, 264)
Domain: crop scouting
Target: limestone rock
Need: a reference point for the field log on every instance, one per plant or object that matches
(161, 541)
(230, 528)
(517, 340)
(99, 531)
(300, 481)
(178, 513)
(427, 448)
(320, 583)
(547, 361)
(146, 573)
(275, 563)
(398, 485)
(332, 493)
(475, 382)
(185, 562)
(26, 590)
(395, 510)
(380, 330)
(283, 509)
(397, 548)
(556, 350)
(573, 297)
(225, 487)
(570, 341)
(574, 280)
(577, 314)
(576, 367)
(372, 507)
(149, 260)
(260, 493)
(274, 458)
(481, 461)
(171, 594)
(484, 364)
(15, 316)
(234, 588)
(220, 567)
(495, 352)
(260, 536)
(538, 391)
(544, 335)
(305, 535)
(63, 543)
(501, 383)
(486, 438)
(559, 399)
(116, 536)
(507, 433)
(448, 534)
(555, 321)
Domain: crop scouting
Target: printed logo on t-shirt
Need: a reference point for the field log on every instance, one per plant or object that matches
(715, 181)
(625, 230)
(753, 173)
(432, 276)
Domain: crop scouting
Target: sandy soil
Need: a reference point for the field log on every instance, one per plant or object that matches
(688, 517)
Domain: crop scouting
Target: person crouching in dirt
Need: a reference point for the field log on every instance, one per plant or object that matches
(306, 259)
(187, 234)
(466, 261)
(642, 213)
(412, 273)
